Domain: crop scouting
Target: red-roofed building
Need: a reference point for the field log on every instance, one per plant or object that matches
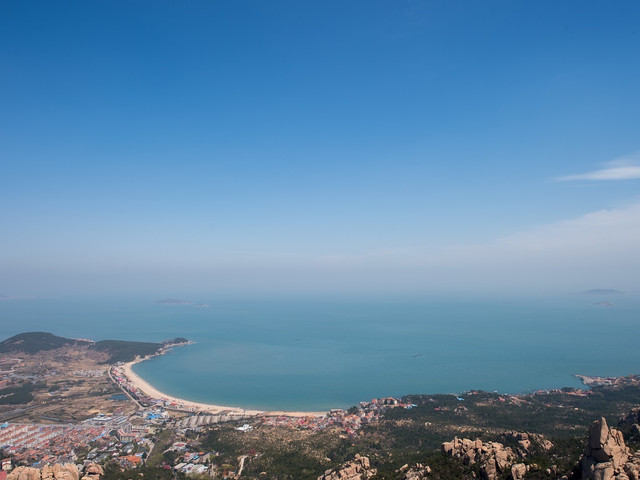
(133, 459)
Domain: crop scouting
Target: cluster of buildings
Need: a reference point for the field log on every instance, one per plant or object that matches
(190, 462)
(609, 381)
(350, 420)
(128, 454)
(32, 443)
(199, 420)
(126, 439)
(105, 437)
(101, 438)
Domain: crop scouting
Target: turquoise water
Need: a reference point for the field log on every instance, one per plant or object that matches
(319, 354)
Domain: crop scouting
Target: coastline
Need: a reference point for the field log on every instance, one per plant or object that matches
(139, 383)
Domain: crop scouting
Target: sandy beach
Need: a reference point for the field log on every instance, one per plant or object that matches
(152, 392)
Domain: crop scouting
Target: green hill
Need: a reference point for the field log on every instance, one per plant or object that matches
(34, 342)
(123, 351)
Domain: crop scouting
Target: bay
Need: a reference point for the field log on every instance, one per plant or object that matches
(315, 354)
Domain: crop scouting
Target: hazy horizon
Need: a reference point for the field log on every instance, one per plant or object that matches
(283, 148)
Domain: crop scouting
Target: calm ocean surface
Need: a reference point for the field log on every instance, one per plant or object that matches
(320, 354)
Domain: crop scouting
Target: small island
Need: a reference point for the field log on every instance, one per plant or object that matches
(602, 291)
(172, 301)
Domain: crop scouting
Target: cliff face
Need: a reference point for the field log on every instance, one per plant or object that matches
(606, 456)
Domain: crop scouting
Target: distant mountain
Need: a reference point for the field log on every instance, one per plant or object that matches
(34, 342)
(602, 291)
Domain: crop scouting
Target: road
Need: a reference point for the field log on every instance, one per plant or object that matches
(124, 390)
(242, 458)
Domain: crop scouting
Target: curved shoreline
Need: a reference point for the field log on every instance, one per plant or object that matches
(139, 383)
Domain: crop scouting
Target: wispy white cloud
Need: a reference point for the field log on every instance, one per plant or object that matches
(626, 168)
(597, 248)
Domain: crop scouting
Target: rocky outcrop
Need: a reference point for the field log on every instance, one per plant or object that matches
(493, 458)
(527, 441)
(24, 473)
(518, 471)
(606, 456)
(358, 469)
(67, 471)
(93, 471)
(415, 472)
(632, 467)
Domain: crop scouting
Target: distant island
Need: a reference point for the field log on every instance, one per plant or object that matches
(605, 304)
(172, 301)
(602, 291)
(176, 301)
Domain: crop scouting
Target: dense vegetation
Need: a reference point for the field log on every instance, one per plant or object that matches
(558, 414)
(17, 395)
(175, 341)
(411, 436)
(123, 351)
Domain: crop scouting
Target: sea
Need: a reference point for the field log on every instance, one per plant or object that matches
(314, 354)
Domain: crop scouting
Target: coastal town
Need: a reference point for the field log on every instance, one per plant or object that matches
(127, 415)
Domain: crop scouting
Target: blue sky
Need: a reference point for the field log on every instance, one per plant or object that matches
(288, 146)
